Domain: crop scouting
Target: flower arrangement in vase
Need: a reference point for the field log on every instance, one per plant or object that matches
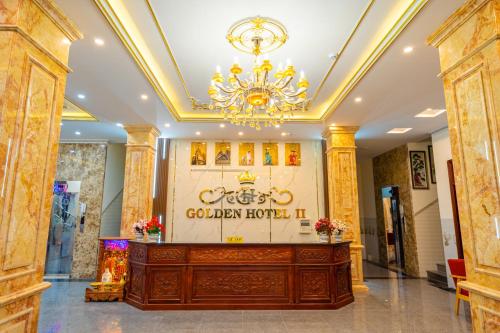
(324, 228)
(153, 227)
(338, 229)
(138, 229)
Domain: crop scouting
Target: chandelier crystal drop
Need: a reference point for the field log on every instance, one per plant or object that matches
(256, 99)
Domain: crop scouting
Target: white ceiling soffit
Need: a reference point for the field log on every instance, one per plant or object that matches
(177, 44)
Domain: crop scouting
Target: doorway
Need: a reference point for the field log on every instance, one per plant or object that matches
(63, 222)
(394, 226)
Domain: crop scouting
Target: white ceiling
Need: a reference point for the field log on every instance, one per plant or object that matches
(396, 88)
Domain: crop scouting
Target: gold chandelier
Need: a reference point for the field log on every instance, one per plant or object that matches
(256, 100)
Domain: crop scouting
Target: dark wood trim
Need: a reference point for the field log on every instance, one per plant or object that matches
(454, 208)
(325, 178)
(166, 276)
(161, 186)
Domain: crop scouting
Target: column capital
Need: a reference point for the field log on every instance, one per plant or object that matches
(141, 135)
(466, 32)
(340, 136)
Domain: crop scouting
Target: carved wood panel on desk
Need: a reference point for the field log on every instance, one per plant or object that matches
(239, 276)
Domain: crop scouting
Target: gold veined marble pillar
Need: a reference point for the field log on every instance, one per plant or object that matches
(139, 174)
(343, 192)
(35, 37)
(469, 50)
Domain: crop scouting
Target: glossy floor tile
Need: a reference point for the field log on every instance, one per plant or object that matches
(392, 305)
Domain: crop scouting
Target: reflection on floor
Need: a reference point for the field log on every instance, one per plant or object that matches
(392, 305)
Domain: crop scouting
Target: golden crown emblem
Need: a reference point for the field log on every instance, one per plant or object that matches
(246, 178)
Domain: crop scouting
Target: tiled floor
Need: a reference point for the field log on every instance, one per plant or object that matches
(392, 305)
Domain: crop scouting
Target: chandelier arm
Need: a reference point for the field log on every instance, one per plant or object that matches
(295, 94)
(231, 100)
(286, 83)
(242, 85)
(226, 90)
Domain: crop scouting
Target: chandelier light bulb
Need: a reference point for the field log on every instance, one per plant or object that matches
(288, 62)
(217, 69)
(236, 61)
(302, 75)
(280, 67)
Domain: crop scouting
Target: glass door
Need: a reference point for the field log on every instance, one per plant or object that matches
(63, 222)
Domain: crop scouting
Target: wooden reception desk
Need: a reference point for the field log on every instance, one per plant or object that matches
(239, 276)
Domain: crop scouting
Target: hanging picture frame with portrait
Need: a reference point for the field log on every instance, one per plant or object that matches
(292, 154)
(246, 154)
(198, 153)
(270, 154)
(418, 166)
(222, 153)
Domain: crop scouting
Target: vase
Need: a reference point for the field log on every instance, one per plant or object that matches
(324, 237)
(154, 237)
(338, 238)
(139, 236)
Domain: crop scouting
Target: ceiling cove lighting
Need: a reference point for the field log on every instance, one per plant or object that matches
(408, 49)
(430, 113)
(256, 99)
(399, 130)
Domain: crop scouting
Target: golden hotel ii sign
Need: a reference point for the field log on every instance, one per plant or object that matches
(245, 195)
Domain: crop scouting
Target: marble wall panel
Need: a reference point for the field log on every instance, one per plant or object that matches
(85, 163)
(186, 181)
(392, 168)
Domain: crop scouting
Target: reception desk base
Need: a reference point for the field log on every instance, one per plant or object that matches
(165, 276)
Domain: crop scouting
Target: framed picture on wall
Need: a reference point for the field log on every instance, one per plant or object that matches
(432, 166)
(198, 153)
(222, 153)
(418, 165)
(292, 154)
(270, 153)
(246, 154)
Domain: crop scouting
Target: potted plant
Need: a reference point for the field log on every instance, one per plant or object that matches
(138, 229)
(338, 229)
(324, 228)
(153, 228)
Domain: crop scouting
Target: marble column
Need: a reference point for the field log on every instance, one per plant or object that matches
(139, 174)
(35, 37)
(343, 192)
(469, 50)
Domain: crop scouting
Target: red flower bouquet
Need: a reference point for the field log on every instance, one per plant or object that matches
(324, 225)
(153, 226)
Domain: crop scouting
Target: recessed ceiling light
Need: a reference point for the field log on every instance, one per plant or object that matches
(430, 113)
(358, 99)
(167, 125)
(408, 49)
(198, 133)
(62, 123)
(277, 126)
(77, 133)
(240, 133)
(144, 97)
(81, 96)
(399, 130)
(222, 125)
(99, 41)
(284, 133)
(119, 124)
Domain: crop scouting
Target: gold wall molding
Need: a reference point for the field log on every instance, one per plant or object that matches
(122, 30)
(24, 293)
